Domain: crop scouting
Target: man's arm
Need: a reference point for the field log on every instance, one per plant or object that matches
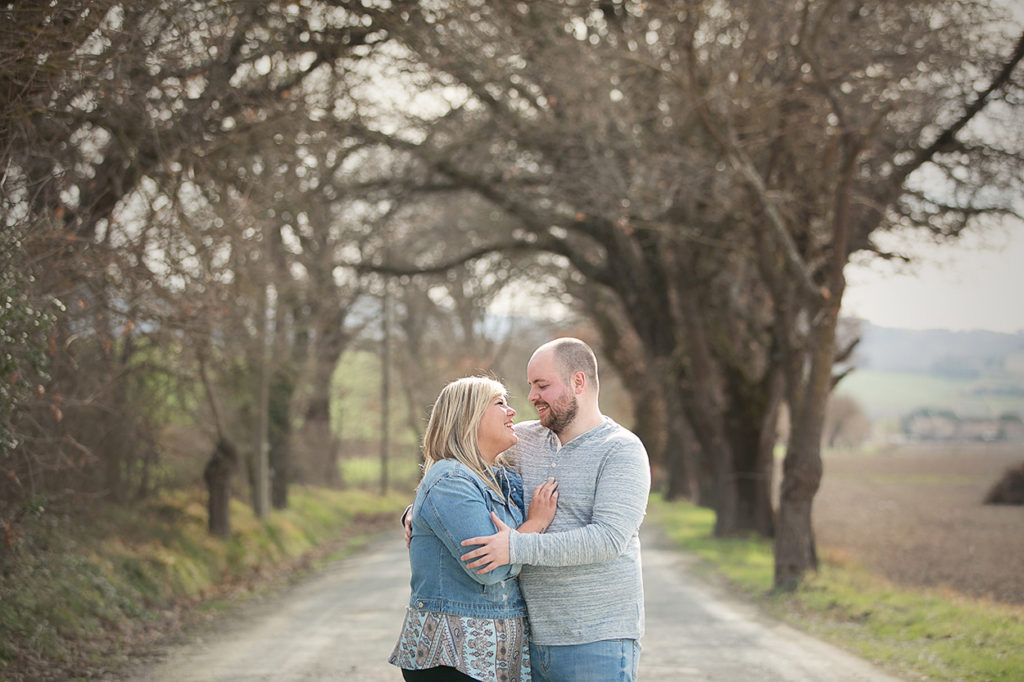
(542, 511)
(620, 503)
(454, 510)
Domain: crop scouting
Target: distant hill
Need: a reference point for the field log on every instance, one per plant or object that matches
(938, 352)
(972, 374)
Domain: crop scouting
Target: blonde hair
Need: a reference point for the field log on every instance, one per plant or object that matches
(452, 428)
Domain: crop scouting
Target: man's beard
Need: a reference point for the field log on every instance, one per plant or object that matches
(561, 415)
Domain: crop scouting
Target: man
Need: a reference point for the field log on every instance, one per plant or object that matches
(581, 578)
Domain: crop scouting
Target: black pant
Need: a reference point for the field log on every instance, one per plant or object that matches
(441, 673)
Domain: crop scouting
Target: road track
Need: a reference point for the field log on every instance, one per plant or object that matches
(341, 624)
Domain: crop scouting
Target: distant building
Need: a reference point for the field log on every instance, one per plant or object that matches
(944, 425)
(978, 429)
(930, 425)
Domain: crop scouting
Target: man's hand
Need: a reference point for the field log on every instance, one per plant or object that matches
(407, 524)
(492, 551)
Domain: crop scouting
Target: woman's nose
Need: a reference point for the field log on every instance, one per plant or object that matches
(510, 411)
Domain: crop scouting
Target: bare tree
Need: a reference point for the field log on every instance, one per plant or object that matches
(110, 113)
(845, 422)
(587, 178)
(714, 167)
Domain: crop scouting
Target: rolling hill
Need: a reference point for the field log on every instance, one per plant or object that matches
(972, 373)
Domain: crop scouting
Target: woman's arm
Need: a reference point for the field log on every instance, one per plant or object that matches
(454, 510)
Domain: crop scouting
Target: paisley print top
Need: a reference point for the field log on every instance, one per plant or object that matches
(487, 649)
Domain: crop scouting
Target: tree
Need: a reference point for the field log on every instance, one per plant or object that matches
(878, 126)
(713, 167)
(845, 422)
(584, 175)
(110, 113)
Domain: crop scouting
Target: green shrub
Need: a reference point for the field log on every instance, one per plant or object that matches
(73, 582)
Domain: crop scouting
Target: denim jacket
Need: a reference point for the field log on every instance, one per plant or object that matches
(452, 504)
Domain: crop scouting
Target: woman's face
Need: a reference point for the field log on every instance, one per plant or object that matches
(495, 433)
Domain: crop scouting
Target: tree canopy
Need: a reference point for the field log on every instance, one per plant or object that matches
(234, 187)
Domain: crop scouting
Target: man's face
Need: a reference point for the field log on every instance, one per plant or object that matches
(553, 399)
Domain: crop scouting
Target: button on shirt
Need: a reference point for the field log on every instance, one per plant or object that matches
(582, 577)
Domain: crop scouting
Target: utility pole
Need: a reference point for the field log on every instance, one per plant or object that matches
(261, 478)
(385, 386)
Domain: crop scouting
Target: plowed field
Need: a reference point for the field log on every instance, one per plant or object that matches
(915, 513)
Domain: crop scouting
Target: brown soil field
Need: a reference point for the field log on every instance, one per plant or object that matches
(915, 514)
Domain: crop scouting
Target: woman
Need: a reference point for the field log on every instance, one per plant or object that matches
(461, 625)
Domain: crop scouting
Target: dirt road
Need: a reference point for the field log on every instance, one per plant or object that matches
(342, 623)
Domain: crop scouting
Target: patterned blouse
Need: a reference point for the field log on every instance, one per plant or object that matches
(487, 649)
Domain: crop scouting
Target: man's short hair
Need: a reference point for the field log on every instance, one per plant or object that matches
(573, 355)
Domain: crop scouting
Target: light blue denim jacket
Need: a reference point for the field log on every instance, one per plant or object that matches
(452, 504)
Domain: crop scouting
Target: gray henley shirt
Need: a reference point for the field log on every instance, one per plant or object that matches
(581, 578)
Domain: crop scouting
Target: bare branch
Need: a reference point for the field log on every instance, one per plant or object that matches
(948, 136)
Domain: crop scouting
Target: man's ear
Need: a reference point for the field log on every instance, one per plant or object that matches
(579, 382)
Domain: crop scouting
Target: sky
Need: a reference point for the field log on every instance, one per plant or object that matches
(975, 283)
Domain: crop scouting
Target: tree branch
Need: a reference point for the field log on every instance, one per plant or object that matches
(948, 136)
(745, 167)
(398, 269)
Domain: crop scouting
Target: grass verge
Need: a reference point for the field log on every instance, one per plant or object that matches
(916, 634)
(79, 595)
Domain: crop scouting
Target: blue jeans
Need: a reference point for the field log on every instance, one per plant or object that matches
(611, 660)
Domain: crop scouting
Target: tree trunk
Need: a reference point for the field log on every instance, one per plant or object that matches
(750, 427)
(315, 457)
(218, 485)
(320, 446)
(704, 402)
(281, 390)
(680, 451)
(752, 481)
(795, 551)
(654, 418)
(682, 457)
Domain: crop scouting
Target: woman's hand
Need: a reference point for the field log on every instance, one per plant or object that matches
(542, 507)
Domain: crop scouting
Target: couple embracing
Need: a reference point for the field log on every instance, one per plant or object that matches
(566, 494)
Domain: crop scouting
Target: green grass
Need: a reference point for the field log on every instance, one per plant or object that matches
(364, 472)
(895, 394)
(71, 590)
(356, 402)
(916, 633)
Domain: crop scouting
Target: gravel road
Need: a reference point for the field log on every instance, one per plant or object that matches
(342, 623)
